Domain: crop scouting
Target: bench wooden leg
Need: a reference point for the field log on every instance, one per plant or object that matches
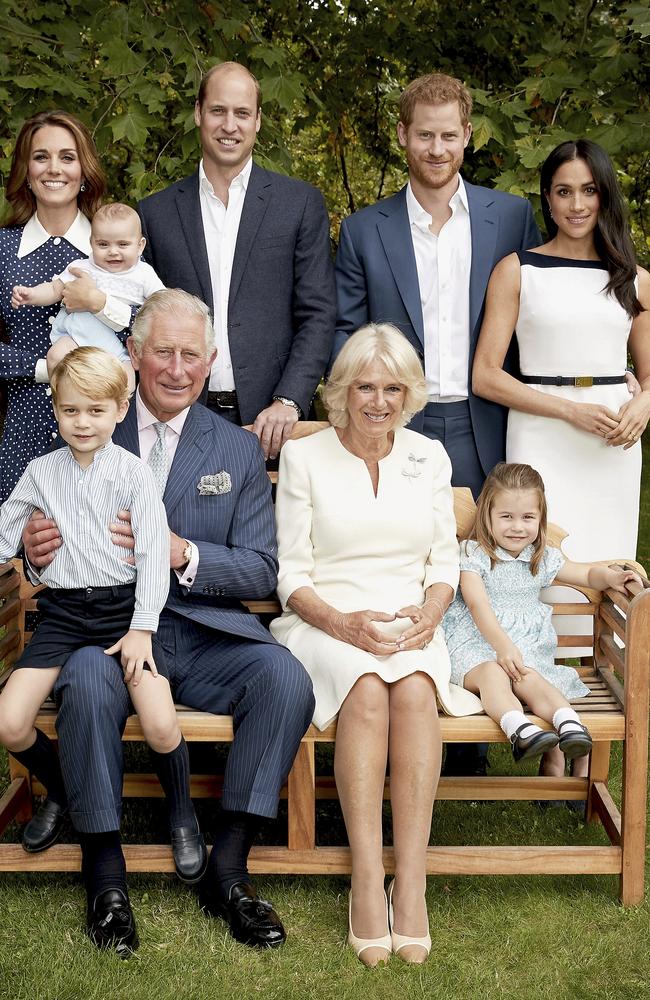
(598, 771)
(17, 771)
(302, 800)
(635, 751)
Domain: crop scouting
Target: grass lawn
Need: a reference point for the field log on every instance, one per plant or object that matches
(537, 937)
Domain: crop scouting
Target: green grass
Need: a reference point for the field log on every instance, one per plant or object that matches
(561, 938)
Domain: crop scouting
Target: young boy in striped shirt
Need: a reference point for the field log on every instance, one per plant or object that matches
(94, 596)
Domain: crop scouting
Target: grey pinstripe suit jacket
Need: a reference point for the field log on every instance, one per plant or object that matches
(234, 532)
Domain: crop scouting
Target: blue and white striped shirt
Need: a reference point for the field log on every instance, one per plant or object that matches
(83, 502)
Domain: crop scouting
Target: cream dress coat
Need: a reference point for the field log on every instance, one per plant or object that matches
(360, 552)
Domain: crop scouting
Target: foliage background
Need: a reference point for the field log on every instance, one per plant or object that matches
(540, 71)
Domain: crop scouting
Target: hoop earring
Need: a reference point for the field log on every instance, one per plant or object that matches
(82, 186)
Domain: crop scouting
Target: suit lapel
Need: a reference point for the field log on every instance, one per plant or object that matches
(126, 433)
(187, 459)
(255, 205)
(484, 224)
(395, 234)
(189, 211)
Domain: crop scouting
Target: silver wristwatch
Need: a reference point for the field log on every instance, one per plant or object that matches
(288, 402)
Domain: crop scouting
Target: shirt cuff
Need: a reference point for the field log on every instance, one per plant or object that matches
(188, 576)
(116, 314)
(146, 621)
(40, 372)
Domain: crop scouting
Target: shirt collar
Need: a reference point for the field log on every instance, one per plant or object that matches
(241, 180)
(147, 419)
(99, 455)
(35, 235)
(525, 555)
(418, 215)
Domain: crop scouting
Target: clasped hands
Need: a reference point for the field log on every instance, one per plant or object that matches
(357, 628)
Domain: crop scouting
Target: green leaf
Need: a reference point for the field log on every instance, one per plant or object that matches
(132, 125)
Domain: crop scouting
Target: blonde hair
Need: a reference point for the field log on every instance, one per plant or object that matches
(94, 373)
(509, 476)
(376, 342)
(434, 88)
(116, 211)
(171, 302)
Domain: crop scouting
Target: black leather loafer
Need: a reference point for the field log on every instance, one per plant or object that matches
(252, 920)
(44, 827)
(524, 747)
(111, 923)
(575, 742)
(190, 853)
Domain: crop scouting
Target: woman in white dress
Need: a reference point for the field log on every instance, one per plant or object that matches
(578, 305)
(368, 566)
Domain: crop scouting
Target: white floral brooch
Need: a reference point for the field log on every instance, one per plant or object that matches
(413, 472)
(215, 485)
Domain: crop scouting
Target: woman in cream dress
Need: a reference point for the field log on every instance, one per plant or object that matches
(368, 565)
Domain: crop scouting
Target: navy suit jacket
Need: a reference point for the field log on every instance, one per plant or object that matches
(234, 531)
(377, 281)
(281, 307)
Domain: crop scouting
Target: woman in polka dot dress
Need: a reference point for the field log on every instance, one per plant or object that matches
(55, 185)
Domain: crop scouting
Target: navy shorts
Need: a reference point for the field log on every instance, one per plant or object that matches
(88, 616)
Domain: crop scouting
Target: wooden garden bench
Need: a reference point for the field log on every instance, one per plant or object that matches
(616, 710)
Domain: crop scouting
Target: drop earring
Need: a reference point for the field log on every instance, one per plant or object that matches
(82, 186)
(29, 186)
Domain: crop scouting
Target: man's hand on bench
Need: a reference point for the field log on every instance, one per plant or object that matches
(41, 539)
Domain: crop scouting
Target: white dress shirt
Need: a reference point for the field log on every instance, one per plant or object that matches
(147, 437)
(116, 314)
(443, 265)
(220, 227)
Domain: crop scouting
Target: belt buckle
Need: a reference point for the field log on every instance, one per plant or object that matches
(584, 382)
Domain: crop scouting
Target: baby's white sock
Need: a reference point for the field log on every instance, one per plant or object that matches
(569, 716)
(511, 721)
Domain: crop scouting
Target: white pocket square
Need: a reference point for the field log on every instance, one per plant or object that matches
(215, 485)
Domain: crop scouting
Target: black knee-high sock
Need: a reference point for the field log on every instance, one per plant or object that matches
(232, 842)
(43, 761)
(173, 770)
(102, 863)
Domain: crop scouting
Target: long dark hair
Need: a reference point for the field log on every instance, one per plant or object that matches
(612, 235)
(21, 201)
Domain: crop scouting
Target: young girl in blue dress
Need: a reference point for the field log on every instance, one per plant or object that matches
(499, 634)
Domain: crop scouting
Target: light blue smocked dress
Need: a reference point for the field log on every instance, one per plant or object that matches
(513, 592)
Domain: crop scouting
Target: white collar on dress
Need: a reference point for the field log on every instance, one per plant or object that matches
(35, 235)
(525, 555)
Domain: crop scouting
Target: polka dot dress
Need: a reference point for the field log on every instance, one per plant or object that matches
(29, 424)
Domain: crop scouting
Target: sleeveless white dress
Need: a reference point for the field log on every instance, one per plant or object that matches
(568, 326)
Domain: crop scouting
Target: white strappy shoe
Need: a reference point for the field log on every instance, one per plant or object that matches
(400, 941)
(359, 945)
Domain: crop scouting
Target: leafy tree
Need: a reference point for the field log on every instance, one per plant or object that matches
(540, 71)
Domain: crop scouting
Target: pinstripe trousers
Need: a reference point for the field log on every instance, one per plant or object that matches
(265, 689)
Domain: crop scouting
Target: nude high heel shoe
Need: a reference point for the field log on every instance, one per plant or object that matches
(400, 941)
(359, 945)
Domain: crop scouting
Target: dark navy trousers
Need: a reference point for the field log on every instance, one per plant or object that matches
(450, 423)
(265, 689)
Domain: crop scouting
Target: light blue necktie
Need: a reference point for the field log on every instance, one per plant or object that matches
(159, 457)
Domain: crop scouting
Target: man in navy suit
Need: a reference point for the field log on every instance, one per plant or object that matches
(255, 246)
(222, 549)
(422, 260)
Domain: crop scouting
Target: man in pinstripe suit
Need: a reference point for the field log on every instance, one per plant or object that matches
(222, 549)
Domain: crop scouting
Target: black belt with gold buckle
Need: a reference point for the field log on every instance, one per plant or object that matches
(579, 381)
(223, 400)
